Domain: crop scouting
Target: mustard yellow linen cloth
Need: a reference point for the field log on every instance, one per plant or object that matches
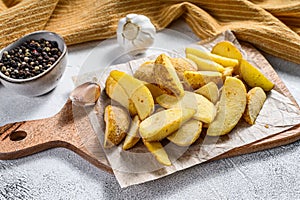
(271, 25)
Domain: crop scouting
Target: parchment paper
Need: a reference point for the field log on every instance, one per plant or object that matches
(138, 165)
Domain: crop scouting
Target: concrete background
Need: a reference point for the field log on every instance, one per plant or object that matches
(61, 174)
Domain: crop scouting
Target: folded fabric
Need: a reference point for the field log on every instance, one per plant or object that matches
(271, 25)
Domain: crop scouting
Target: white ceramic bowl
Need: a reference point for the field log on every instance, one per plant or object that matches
(44, 82)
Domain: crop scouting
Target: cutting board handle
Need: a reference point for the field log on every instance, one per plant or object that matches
(29, 137)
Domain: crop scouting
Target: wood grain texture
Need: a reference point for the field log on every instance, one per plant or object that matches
(61, 130)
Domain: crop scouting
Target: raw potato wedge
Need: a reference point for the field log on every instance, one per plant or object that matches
(155, 90)
(227, 72)
(210, 91)
(224, 61)
(117, 93)
(205, 110)
(145, 72)
(181, 65)
(228, 50)
(231, 107)
(255, 101)
(187, 134)
(133, 134)
(159, 152)
(137, 92)
(117, 123)
(205, 65)
(201, 78)
(161, 124)
(254, 77)
(166, 76)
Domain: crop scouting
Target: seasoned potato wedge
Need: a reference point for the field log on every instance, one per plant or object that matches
(181, 65)
(228, 50)
(145, 72)
(137, 92)
(117, 93)
(210, 91)
(254, 77)
(166, 76)
(255, 101)
(205, 110)
(205, 65)
(161, 124)
(231, 107)
(201, 53)
(201, 78)
(159, 152)
(155, 90)
(187, 134)
(227, 72)
(133, 134)
(117, 123)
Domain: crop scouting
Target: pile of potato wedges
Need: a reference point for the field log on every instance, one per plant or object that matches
(178, 99)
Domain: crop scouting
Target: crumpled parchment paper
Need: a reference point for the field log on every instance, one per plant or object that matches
(136, 166)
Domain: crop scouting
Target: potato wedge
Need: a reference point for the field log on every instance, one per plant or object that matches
(161, 124)
(137, 92)
(187, 134)
(254, 77)
(205, 65)
(205, 110)
(210, 91)
(117, 123)
(166, 76)
(155, 90)
(231, 107)
(227, 72)
(181, 65)
(227, 49)
(224, 61)
(159, 152)
(145, 72)
(117, 93)
(133, 134)
(255, 101)
(201, 78)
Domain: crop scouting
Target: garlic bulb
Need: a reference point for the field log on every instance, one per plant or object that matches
(135, 33)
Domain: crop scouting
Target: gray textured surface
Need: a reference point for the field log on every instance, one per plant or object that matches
(61, 174)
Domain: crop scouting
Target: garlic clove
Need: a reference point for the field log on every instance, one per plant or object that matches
(86, 94)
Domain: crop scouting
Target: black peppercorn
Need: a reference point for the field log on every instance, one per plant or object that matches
(29, 59)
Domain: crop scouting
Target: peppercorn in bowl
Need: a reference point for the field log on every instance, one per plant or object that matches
(34, 64)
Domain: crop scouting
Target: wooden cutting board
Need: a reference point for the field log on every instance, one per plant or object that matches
(29, 137)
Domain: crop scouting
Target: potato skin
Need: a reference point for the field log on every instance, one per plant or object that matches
(117, 122)
(254, 77)
(181, 65)
(255, 101)
(201, 78)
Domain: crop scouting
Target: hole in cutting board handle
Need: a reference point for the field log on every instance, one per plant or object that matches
(17, 135)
